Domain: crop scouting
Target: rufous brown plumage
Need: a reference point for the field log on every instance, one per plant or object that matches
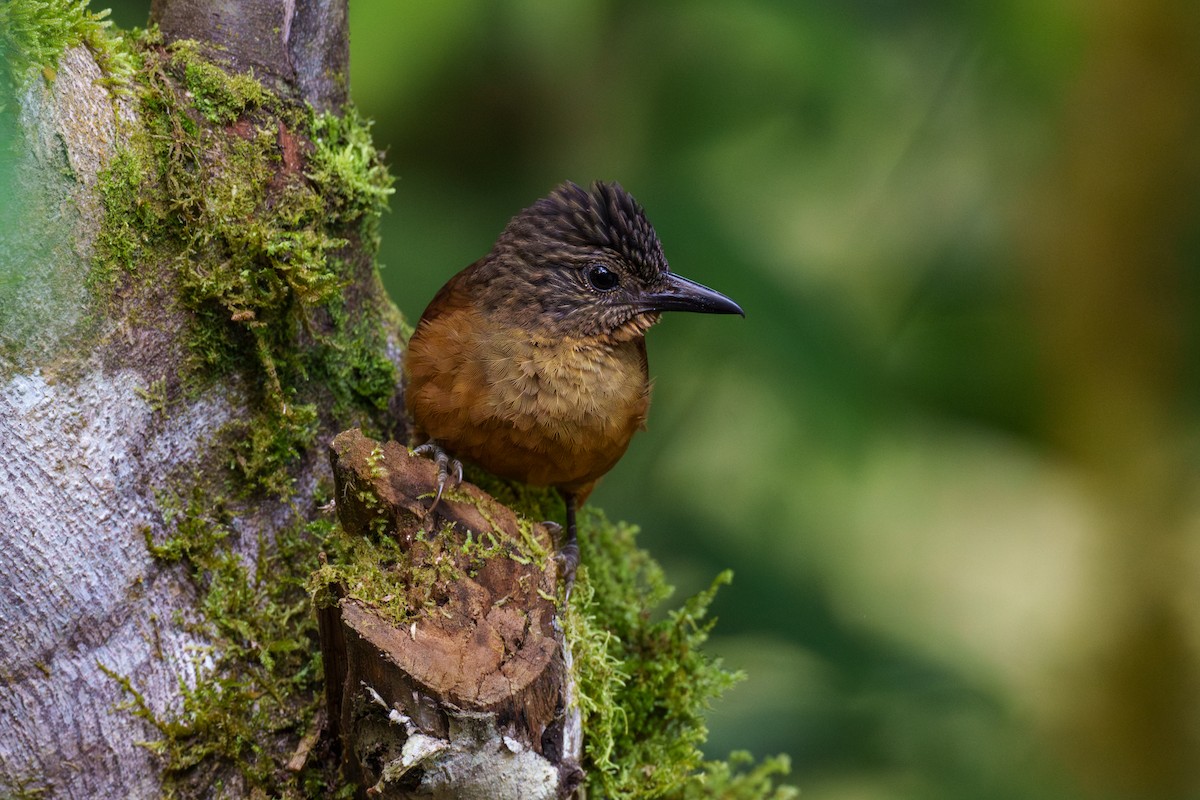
(531, 362)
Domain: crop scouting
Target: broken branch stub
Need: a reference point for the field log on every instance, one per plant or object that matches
(444, 664)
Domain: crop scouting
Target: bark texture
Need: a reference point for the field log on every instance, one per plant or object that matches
(80, 451)
(302, 46)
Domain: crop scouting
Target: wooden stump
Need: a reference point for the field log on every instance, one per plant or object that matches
(468, 695)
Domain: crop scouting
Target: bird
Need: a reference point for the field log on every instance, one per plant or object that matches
(531, 362)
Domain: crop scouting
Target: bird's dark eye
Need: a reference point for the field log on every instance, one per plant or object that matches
(602, 278)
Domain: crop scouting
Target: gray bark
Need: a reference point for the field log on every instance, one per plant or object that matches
(86, 449)
(302, 47)
(81, 451)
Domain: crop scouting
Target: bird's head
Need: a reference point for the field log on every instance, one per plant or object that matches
(588, 263)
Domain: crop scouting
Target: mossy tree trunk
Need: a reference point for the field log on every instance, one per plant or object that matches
(189, 310)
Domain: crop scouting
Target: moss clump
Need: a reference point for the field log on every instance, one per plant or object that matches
(265, 445)
(35, 33)
(357, 363)
(643, 685)
(131, 218)
(346, 169)
(740, 778)
(261, 212)
(400, 582)
(221, 97)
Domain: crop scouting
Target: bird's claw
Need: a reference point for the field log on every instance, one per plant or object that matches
(567, 555)
(447, 467)
(568, 561)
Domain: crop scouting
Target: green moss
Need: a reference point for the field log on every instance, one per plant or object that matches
(532, 503)
(739, 778)
(35, 33)
(359, 364)
(265, 445)
(220, 96)
(644, 682)
(29, 787)
(346, 169)
(398, 582)
(216, 191)
(131, 218)
(263, 688)
(643, 686)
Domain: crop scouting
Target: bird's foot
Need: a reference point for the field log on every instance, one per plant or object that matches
(568, 562)
(567, 556)
(568, 552)
(447, 468)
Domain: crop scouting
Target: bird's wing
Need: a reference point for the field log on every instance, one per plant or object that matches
(452, 296)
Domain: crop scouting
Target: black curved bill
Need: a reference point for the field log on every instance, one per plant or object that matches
(680, 294)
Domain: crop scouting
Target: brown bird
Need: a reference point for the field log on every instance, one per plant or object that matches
(531, 362)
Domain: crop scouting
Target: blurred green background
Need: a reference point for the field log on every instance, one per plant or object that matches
(951, 453)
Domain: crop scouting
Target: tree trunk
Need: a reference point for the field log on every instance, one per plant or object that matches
(189, 310)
